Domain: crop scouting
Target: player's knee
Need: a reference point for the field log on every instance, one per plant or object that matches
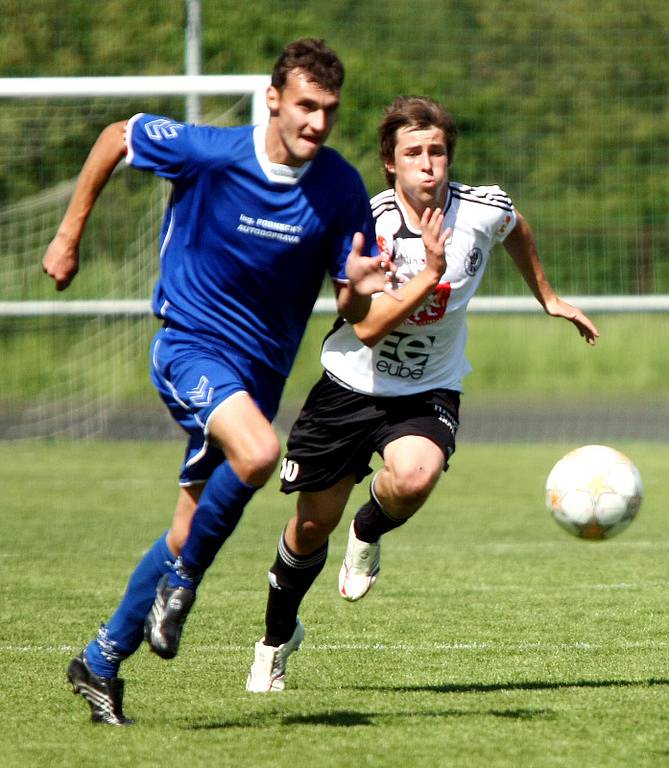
(312, 534)
(413, 485)
(257, 466)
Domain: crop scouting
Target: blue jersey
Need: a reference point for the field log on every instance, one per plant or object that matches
(246, 243)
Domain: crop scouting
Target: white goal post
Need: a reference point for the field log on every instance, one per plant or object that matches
(144, 85)
(482, 305)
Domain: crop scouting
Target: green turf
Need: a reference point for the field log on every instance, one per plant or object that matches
(492, 637)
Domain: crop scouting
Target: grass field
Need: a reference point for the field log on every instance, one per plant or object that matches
(492, 638)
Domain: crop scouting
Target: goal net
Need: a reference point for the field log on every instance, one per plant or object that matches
(76, 363)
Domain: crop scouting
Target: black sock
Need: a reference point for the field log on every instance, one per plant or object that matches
(371, 522)
(290, 578)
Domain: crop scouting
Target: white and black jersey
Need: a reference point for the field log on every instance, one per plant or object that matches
(428, 349)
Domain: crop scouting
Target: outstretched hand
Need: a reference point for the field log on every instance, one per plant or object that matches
(370, 274)
(559, 308)
(61, 262)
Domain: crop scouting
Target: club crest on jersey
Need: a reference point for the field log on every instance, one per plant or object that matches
(473, 261)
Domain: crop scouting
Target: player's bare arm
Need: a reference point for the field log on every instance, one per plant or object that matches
(521, 246)
(61, 260)
(385, 314)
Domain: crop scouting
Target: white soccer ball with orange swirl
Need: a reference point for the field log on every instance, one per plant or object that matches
(594, 492)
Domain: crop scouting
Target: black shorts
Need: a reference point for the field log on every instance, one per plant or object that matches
(338, 431)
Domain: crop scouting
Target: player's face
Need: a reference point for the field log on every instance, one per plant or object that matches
(302, 116)
(420, 165)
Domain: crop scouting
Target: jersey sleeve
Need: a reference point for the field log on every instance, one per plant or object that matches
(356, 216)
(506, 219)
(161, 145)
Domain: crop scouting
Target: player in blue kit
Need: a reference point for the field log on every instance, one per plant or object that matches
(257, 216)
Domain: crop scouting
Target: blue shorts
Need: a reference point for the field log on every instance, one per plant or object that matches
(193, 376)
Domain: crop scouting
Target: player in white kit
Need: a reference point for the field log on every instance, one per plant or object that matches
(392, 382)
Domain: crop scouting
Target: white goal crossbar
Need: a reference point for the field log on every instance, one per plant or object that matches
(486, 305)
(149, 85)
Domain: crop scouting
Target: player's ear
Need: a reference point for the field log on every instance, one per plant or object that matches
(272, 98)
(390, 167)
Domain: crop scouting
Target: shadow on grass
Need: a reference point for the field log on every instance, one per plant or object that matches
(341, 719)
(344, 718)
(529, 685)
(348, 718)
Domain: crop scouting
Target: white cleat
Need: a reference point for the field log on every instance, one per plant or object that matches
(268, 671)
(361, 566)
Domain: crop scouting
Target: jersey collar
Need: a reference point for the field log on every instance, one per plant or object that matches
(275, 172)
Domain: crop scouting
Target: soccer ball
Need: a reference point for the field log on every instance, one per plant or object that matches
(594, 492)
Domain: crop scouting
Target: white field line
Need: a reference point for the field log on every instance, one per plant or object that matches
(636, 586)
(530, 546)
(649, 645)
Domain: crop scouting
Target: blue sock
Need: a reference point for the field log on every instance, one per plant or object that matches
(123, 633)
(218, 512)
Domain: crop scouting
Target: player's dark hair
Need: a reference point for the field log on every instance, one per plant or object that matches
(419, 112)
(320, 63)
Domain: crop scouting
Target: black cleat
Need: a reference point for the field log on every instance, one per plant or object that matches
(104, 694)
(163, 625)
